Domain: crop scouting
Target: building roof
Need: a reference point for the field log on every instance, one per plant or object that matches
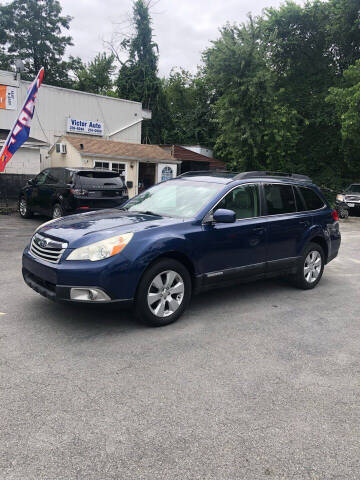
(91, 146)
(186, 155)
(30, 141)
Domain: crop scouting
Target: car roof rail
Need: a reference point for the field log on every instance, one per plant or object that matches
(192, 173)
(264, 173)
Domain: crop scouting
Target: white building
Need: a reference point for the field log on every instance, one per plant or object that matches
(60, 112)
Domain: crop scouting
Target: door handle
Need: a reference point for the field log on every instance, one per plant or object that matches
(259, 229)
(306, 223)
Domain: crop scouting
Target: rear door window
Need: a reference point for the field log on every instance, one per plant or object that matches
(101, 180)
(55, 176)
(279, 199)
(312, 199)
(301, 207)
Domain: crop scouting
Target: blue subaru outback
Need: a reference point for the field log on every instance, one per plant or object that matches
(195, 232)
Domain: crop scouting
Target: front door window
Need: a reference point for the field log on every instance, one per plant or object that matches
(243, 200)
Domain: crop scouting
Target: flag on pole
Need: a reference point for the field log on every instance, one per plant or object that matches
(21, 130)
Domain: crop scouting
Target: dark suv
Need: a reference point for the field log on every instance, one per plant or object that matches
(191, 233)
(59, 191)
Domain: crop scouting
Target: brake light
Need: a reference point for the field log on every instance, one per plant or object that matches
(335, 215)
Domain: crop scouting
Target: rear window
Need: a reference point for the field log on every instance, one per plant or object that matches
(99, 179)
(312, 199)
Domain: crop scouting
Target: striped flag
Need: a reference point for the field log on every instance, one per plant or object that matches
(21, 130)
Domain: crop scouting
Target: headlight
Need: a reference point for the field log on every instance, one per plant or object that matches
(101, 250)
(46, 223)
(341, 198)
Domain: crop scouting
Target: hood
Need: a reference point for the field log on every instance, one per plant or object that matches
(94, 226)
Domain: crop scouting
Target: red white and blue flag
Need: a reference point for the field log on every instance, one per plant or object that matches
(21, 130)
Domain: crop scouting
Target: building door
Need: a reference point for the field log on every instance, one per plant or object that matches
(146, 176)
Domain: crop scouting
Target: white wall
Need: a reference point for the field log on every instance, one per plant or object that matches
(208, 152)
(25, 161)
(54, 105)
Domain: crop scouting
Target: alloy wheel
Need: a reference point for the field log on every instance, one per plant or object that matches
(166, 293)
(312, 266)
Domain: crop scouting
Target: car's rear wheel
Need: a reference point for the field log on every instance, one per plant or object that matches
(57, 211)
(163, 293)
(311, 267)
(24, 209)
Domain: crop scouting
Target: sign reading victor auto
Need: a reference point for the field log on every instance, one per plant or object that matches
(87, 127)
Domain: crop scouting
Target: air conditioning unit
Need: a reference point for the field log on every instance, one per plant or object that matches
(61, 148)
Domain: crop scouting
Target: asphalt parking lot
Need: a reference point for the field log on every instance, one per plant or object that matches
(256, 381)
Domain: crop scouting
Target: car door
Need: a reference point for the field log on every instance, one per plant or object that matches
(235, 249)
(286, 227)
(50, 190)
(34, 195)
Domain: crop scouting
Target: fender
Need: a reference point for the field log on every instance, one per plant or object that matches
(144, 250)
(314, 231)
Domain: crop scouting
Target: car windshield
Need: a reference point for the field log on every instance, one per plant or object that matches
(354, 188)
(175, 198)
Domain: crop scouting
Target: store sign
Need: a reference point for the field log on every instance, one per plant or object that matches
(8, 97)
(86, 127)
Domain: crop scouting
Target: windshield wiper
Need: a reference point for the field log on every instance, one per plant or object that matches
(148, 212)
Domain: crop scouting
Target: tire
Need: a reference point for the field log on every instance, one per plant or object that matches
(164, 288)
(24, 209)
(57, 211)
(343, 213)
(311, 267)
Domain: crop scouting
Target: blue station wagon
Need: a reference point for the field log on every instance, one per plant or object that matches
(198, 231)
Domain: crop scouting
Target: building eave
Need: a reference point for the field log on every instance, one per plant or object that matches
(131, 159)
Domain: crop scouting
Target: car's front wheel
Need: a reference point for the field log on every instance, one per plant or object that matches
(24, 209)
(311, 267)
(163, 293)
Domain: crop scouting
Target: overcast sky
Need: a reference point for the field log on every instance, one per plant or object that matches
(182, 28)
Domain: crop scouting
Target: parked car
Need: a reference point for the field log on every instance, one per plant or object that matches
(56, 192)
(179, 237)
(350, 198)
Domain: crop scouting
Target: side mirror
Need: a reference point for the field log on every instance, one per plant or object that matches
(222, 215)
(31, 181)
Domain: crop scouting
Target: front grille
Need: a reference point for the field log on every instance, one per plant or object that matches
(352, 198)
(46, 248)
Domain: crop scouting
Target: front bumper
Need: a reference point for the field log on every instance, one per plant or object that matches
(55, 281)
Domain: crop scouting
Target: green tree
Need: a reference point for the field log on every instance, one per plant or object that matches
(138, 77)
(96, 76)
(308, 47)
(346, 100)
(190, 107)
(32, 30)
(256, 129)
